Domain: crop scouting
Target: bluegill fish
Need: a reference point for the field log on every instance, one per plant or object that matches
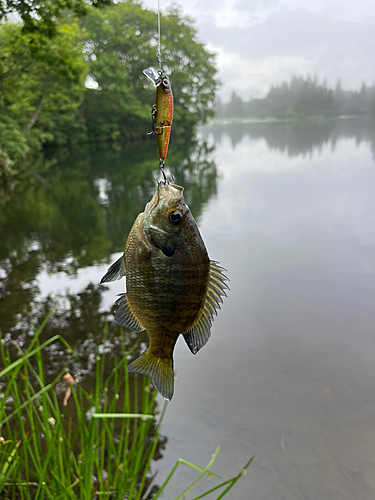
(172, 286)
(162, 110)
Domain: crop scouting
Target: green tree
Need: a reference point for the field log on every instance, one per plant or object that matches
(42, 16)
(41, 86)
(121, 41)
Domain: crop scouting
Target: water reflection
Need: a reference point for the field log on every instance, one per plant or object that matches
(78, 209)
(288, 373)
(295, 138)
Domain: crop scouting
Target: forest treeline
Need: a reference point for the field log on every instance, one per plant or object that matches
(72, 72)
(299, 98)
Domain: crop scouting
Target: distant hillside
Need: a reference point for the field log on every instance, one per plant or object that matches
(301, 98)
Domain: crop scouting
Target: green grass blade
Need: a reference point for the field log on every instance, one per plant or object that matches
(36, 395)
(205, 471)
(230, 482)
(27, 355)
(202, 470)
(235, 479)
(142, 416)
(217, 487)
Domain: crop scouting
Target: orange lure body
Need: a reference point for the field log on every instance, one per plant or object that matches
(162, 111)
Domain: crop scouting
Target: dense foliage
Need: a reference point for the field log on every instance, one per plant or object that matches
(42, 85)
(42, 16)
(301, 98)
(85, 82)
(120, 43)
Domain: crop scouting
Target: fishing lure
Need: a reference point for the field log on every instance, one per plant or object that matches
(162, 111)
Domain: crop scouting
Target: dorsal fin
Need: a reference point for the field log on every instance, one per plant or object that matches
(200, 332)
(124, 316)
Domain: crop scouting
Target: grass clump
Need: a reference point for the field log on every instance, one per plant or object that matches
(99, 444)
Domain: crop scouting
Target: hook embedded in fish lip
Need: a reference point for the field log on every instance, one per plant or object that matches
(171, 191)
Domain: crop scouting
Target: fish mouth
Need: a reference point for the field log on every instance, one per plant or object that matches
(165, 192)
(168, 191)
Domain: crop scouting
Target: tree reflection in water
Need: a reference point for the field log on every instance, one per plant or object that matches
(296, 138)
(82, 212)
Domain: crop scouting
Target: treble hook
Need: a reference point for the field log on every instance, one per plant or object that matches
(154, 125)
(161, 166)
(153, 116)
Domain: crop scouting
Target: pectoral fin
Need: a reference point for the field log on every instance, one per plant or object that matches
(124, 316)
(198, 335)
(115, 272)
(159, 369)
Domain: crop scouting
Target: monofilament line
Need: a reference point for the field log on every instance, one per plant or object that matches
(159, 44)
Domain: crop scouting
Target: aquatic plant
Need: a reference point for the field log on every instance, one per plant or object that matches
(60, 441)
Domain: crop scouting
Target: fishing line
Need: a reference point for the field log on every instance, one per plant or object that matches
(158, 52)
(162, 110)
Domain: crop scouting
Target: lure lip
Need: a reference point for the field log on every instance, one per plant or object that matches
(153, 75)
(158, 78)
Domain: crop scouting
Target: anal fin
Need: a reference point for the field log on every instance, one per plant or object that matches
(115, 272)
(124, 316)
(197, 337)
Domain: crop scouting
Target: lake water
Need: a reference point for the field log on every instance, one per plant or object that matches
(289, 371)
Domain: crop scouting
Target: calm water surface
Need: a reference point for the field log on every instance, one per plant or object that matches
(289, 372)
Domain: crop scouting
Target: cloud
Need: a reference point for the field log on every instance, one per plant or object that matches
(256, 75)
(292, 42)
(345, 10)
(265, 41)
(294, 34)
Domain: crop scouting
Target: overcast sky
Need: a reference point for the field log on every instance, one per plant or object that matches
(262, 42)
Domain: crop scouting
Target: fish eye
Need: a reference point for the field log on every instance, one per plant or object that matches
(165, 81)
(175, 217)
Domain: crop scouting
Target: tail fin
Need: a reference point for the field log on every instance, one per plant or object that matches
(159, 369)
